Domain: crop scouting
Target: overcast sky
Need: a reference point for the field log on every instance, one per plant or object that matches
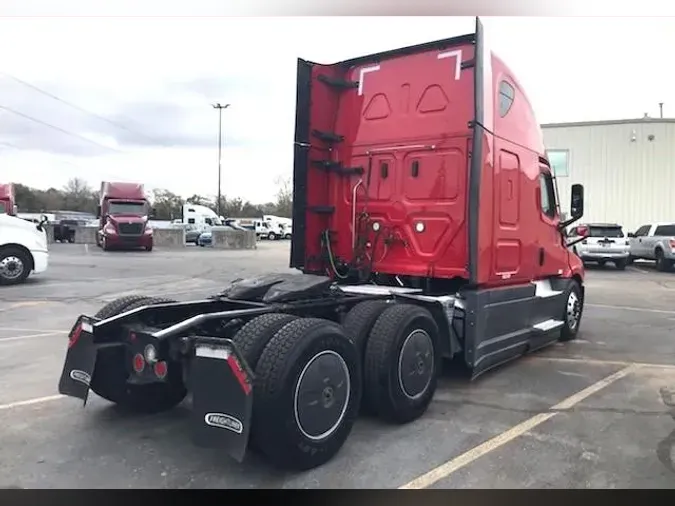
(149, 84)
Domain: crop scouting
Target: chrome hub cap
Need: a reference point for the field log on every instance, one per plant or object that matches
(416, 364)
(322, 395)
(573, 311)
(11, 267)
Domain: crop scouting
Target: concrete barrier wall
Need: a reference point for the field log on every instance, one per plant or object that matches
(233, 239)
(85, 235)
(169, 237)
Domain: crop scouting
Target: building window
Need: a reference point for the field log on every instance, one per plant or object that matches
(506, 96)
(559, 160)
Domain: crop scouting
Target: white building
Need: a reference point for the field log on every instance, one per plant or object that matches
(627, 168)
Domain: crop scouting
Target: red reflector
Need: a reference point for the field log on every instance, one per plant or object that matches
(75, 335)
(139, 362)
(239, 373)
(160, 369)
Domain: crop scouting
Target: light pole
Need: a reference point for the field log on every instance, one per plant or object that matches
(220, 108)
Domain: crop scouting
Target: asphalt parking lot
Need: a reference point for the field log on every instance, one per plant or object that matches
(593, 413)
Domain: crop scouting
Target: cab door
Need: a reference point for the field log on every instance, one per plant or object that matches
(551, 251)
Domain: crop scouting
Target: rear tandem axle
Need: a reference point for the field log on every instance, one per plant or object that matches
(280, 363)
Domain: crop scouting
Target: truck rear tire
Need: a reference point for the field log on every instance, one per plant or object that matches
(109, 380)
(621, 264)
(252, 338)
(307, 394)
(360, 320)
(15, 265)
(118, 306)
(662, 263)
(402, 363)
(573, 312)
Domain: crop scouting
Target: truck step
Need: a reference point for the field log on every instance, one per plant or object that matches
(329, 137)
(337, 83)
(544, 289)
(337, 167)
(547, 326)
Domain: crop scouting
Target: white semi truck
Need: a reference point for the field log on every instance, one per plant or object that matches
(23, 249)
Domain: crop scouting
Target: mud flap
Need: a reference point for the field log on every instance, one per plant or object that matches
(222, 397)
(80, 361)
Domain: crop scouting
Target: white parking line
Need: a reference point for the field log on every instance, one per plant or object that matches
(76, 281)
(24, 329)
(29, 336)
(445, 470)
(27, 303)
(642, 271)
(593, 361)
(30, 402)
(631, 308)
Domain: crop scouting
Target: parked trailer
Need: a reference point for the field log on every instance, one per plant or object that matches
(437, 235)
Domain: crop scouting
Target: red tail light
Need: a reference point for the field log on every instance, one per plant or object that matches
(672, 243)
(161, 369)
(75, 335)
(139, 363)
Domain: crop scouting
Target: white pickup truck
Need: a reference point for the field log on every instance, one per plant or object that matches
(23, 249)
(655, 241)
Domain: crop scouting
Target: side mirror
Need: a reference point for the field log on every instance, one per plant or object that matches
(631, 234)
(98, 211)
(43, 221)
(577, 201)
(153, 212)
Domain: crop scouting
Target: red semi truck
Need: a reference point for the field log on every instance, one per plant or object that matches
(7, 199)
(426, 227)
(123, 215)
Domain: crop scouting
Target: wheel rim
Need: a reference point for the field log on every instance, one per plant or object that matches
(416, 364)
(322, 395)
(11, 267)
(573, 310)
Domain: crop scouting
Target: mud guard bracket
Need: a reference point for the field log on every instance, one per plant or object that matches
(222, 397)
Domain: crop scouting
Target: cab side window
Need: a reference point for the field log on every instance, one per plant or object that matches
(506, 97)
(642, 231)
(547, 189)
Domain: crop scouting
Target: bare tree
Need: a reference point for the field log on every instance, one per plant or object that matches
(284, 202)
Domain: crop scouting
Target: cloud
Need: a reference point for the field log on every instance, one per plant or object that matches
(154, 81)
